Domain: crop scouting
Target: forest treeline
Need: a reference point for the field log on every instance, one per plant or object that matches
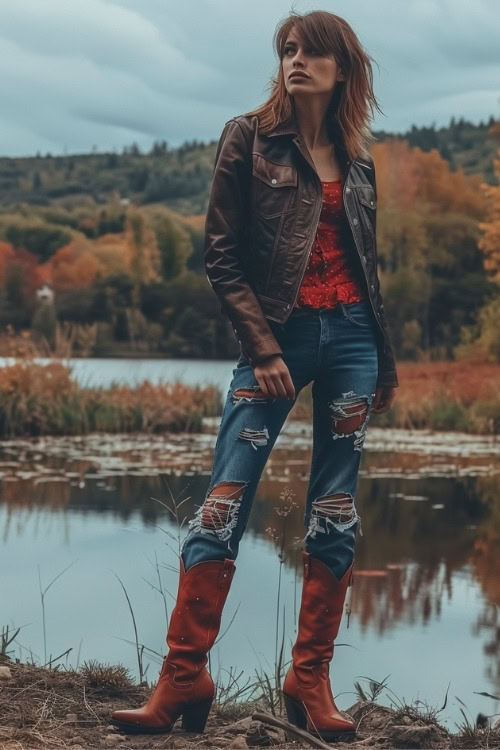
(180, 177)
(109, 247)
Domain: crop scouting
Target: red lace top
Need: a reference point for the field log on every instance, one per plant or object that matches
(329, 278)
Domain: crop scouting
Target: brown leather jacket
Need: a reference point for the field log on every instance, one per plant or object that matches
(263, 213)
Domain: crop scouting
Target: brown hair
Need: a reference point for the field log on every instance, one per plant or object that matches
(352, 104)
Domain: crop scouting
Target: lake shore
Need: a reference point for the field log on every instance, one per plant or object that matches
(54, 397)
(45, 399)
(59, 707)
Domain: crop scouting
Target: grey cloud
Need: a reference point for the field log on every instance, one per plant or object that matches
(100, 72)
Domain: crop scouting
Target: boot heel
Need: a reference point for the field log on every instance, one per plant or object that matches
(295, 713)
(195, 716)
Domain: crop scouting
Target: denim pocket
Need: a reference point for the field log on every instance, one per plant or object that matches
(359, 313)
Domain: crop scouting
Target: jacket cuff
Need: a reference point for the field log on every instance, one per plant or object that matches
(264, 349)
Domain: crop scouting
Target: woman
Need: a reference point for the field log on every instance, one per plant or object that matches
(290, 251)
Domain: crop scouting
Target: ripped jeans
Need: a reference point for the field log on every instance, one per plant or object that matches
(336, 349)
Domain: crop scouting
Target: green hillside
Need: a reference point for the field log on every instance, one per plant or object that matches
(180, 177)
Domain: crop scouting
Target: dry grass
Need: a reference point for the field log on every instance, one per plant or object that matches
(70, 339)
(62, 708)
(37, 399)
(460, 396)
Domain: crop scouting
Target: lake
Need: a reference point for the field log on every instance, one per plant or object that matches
(426, 590)
(103, 372)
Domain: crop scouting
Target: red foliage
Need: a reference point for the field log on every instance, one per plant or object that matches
(466, 381)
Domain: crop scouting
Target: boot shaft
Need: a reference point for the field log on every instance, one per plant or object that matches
(196, 617)
(321, 609)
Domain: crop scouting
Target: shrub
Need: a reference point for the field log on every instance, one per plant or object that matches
(38, 399)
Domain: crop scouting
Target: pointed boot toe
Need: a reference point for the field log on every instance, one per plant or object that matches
(309, 701)
(185, 688)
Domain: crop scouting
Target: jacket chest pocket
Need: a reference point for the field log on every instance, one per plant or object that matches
(368, 207)
(272, 186)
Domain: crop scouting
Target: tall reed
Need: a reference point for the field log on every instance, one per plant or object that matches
(44, 399)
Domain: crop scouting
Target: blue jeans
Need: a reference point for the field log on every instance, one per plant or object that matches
(335, 348)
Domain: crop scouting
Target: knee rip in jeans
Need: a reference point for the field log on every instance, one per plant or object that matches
(251, 395)
(350, 415)
(336, 510)
(219, 513)
(256, 438)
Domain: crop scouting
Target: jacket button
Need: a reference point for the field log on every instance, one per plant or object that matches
(354, 221)
(373, 287)
(274, 180)
(348, 190)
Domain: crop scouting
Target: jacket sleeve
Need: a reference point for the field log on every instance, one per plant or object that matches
(387, 374)
(226, 245)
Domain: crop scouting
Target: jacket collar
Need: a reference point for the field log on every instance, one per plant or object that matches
(285, 127)
(290, 126)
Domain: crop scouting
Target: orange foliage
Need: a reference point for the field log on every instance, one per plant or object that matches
(32, 276)
(74, 265)
(466, 381)
(134, 252)
(44, 399)
(6, 255)
(396, 173)
(143, 255)
(111, 251)
(489, 243)
(25, 380)
(407, 177)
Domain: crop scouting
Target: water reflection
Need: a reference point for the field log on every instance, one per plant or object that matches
(431, 525)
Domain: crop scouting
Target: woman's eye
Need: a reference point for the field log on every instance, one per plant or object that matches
(307, 51)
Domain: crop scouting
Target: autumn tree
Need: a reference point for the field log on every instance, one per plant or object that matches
(74, 266)
(20, 276)
(142, 253)
(481, 340)
(174, 241)
(427, 233)
(489, 242)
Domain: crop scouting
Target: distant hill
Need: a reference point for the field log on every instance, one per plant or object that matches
(461, 143)
(180, 177)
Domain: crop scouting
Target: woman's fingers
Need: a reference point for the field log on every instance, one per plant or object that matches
(274, 386)
(274, 378)
(267, 386)
(277, 380)
(384, 396)
(288, 384)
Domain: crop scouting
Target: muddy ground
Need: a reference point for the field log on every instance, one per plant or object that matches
(59, 708)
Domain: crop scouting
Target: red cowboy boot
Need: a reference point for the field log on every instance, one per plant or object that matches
(185, 686)
(307, 692)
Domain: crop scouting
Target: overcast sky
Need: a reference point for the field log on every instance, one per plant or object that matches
(78, 74)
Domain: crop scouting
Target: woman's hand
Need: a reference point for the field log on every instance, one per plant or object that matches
(384, 396)
(274, 378)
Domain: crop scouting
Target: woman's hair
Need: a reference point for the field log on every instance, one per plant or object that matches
(352, 104)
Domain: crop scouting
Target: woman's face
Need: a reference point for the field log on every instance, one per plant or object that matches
(322, 71)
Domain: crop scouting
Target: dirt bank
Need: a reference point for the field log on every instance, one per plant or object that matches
(59, 708)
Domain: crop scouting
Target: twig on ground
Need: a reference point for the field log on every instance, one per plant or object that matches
(273, 721)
